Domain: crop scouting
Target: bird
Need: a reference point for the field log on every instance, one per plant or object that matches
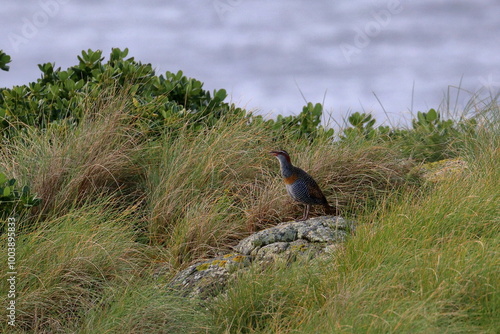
(300, 185)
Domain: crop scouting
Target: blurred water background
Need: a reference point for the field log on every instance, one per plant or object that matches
(386, 57)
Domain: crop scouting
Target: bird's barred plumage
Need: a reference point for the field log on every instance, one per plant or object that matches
(300, 185)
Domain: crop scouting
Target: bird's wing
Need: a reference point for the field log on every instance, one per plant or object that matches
(315, 191)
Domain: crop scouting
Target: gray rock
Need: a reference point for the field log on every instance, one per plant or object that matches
(207, 278)
(286, 241)
(321, 229)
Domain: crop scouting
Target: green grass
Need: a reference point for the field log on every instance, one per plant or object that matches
(118, 206)
(199, 186)
(426, 262)
(85, 272)
(68, 167)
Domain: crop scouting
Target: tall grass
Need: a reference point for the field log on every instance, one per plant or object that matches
(64, 266)
(198, 186)
(84, 272)
(207, 190)
(116, 203)
(143, 307)
(69, 166)
(424, 263)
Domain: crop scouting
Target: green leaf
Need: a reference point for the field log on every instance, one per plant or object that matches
(421, 117)
(221, 94)
(3, 178)
(318, 109)
(64, 75)
(4, 60)
(432, 115)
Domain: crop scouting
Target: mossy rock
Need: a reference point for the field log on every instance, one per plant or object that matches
(443, 169)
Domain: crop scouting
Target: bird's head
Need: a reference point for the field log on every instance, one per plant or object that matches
(282, 155)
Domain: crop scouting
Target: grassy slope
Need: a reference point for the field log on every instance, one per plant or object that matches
(116, 205)
(424, 263)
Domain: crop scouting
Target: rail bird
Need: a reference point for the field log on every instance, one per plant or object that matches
(300, 185)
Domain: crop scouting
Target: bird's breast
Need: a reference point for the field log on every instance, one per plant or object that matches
(291, 179)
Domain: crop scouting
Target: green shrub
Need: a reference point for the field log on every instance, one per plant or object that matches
(429, 139)
(61, 96)
(14, 200)
(362, 127)
(431, 136)
(157, 101)
(306, 125)
(4, 60)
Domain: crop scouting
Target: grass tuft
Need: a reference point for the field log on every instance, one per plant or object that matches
(66, 264)
(69, 166)
(117, 205)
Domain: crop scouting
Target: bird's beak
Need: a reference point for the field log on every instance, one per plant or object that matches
(275, 153)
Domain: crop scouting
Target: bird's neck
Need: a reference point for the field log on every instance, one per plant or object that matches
(286, 167)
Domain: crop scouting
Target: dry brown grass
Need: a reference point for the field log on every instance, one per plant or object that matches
(358, 178)
(67, 265)
(68, 167)
(201, 191)
(352, 178)
(208, 190)
(195, 184)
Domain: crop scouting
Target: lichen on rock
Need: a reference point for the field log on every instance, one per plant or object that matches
(286, 241)
(443, 169)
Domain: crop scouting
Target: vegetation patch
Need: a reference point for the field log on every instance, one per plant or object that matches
(111, 171)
